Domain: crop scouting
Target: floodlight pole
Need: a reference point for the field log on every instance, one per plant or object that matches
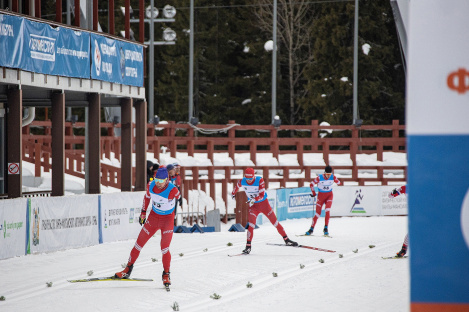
(274, 63)
(151, 65)
(355, 66)
(191, 62)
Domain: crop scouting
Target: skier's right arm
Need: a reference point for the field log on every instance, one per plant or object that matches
(233, 193)
(146, 201)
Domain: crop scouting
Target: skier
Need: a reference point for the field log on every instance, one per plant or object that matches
(254, 187)
(394, 193)
(175, 179)
(325, 196)
(163, 196)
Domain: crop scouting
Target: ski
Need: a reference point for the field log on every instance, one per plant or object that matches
(303, 246)
(395, 257)
(110, 278)
(166, 286)
(315, 235)
(240, 254)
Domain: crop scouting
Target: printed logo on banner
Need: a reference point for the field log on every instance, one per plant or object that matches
(122, 62)
(35, 227)
(131, 215)
(10, 226)
(357, 206)
(68, 223)
(112, 217)
(42, 48)
(97, 58)
(465, 218)
(459, 80)
(301, 202)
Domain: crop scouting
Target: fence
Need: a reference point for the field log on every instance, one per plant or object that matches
(231, 138)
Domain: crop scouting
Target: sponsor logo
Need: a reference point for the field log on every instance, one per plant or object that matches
(97, 58)
(42, 48)
(122, 62)
(131, 215)
(458, 80)
(35, 228)
(10, 226)
(167, 232)
(68, 223)
(301, 202)
(357, 205)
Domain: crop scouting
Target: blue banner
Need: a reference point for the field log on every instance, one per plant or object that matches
(55, 51)
(295, 203)
(41, 48)
(116, 61)
(11, 40)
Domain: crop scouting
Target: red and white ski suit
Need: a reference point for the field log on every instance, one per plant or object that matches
(325, 195)
(401, 190)
(161, 217)
(256, 190)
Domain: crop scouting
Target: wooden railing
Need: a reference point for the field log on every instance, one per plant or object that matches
(228, 139)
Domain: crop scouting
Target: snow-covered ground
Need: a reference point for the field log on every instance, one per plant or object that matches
(360, 281)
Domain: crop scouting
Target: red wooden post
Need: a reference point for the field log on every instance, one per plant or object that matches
(58, 11)
(156, 149)
(379, 151)
(252, 151)
(127, 19)
(210, 148)
(111, 18)
(37, 8)
(231, 150)
(395, 135)
(286, 176)
(325, 151)
(265, 175)
(314, 135)
(77, 13)
(224, 191)
(95, 15)
(37, 158)
(211, 180)
(299, 152)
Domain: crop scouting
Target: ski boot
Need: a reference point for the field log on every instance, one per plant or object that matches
(289, 242)
(402, 253)
(125, 273)
(326, 230)
(310, 231)
(247, 250)
(166, 280)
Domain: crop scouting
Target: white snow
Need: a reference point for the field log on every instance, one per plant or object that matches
(359, 281)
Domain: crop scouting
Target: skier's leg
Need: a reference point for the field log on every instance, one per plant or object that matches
(167, 225)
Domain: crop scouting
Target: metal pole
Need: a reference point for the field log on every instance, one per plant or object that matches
(274, 63)
(191, 63)
(151, 65)
(355, 66)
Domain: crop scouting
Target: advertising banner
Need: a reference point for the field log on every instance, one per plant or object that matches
(367, 201)
(12, 227)
(116, 61)
(40, 48)
(58, 223)
(119, 213)
(437, 111)
(55, 51)
(295, 203)
(11, 40)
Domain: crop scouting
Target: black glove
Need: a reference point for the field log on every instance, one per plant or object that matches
(142, 218)
(312, 195)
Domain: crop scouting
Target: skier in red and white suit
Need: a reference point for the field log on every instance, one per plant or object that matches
(394, 193)
(325, 196)
(254, 187)
(163, 196)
